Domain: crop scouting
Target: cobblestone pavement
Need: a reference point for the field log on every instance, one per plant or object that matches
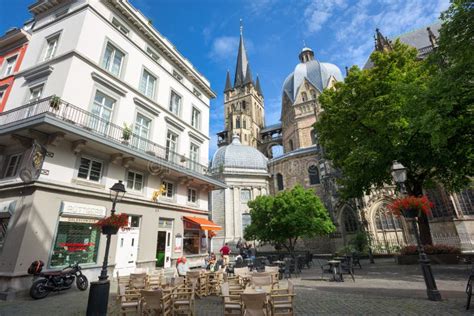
(383, 288)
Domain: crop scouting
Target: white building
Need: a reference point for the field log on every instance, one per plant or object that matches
(244, 170)
(111, 69)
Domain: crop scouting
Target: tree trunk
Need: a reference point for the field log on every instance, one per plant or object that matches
(423, 224)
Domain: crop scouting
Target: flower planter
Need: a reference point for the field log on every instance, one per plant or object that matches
(109, 229)
(435, 259)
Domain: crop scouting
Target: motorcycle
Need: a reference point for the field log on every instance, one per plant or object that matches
(52, 281)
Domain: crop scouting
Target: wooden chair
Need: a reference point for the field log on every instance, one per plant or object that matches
(254, 304)
(122, 280)
(264, 280)
(128, 300)
(183, 300)
(138, 281)
(155, 302)
(232, 303)
(281, 300)
(275, 273)
(214, 283)
(155, 278)
(194, 279)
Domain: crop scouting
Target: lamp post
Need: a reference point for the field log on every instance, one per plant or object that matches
(399, 175)
(99, 290)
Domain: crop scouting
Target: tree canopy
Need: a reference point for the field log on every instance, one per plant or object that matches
(288, 216)
(416, 112)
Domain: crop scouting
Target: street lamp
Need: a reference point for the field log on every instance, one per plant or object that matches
(399, 175)
(99, 290)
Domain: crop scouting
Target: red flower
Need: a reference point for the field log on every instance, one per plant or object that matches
(211, 234)
(402, 206)
(120, 220)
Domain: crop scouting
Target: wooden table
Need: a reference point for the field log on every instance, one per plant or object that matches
(258, 289)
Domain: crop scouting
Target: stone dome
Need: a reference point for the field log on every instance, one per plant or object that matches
(315, 72)
(238, 158)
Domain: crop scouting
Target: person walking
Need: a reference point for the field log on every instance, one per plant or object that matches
(225, 251)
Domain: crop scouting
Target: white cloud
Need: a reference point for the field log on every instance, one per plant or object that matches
(223, 47)
(319, 11)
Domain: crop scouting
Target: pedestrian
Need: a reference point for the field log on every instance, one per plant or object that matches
(225, 251)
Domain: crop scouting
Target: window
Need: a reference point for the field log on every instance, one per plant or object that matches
(175, 103)
(51, 47)
(102, 111)
(171, 146)
(193, 156)
(304, 97)
(35, 93)
(279, 179)
(177, 76)
(142, 130)
(386, 220)
(443, 206)
(120, 26)
(246, 221)
(192, 238)
(12, 166)
(90, 169)
(192, 195)
(77, 240)
(290, 145)
(113, 59)
(147, 84)
(350, 222)
(134, 181)
(152, 54)
(2, 93)
(313, 93)
(196, 118)
(313, 174)
(168, 189)
(245, 195)
(196, 92)
(466, 201)
(237, 122)
(10, 65)
(244, 122)
(314, 137)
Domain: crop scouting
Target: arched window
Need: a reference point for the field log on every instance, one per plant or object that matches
(290, 145)
(313, 93)
(304, 96)
(314, 137)
(350, 221)
(244, 121)
(386, 220)
(243, 105)
(279, 179)
(237, 122)
(313, 175)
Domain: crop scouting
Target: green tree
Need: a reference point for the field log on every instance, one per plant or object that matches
(400, 110)
(288, 216)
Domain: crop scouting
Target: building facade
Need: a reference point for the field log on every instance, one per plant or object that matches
(102, 96)
(13, 45)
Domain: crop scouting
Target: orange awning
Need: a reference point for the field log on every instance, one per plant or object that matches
(204, 223)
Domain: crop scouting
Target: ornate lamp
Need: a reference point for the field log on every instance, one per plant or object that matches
(399, 172)
(117, 192)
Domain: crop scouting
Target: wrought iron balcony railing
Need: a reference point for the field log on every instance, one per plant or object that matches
(102, 127)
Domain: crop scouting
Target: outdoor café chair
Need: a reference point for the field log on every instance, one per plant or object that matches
(281, 301)
(232, 303)
(155, 302)
(254, 304)
(138, 281)
(183, 300)
(122, 280)
(324, 266)
(128, 300)
(262, 280)
(347, 266)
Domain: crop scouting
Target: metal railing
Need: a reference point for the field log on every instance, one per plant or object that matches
(101, 127)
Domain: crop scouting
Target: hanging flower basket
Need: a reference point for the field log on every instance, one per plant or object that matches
(211, 234)
(411, 206)
(111, 224)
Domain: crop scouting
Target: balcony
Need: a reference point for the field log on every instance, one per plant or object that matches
(69, 117)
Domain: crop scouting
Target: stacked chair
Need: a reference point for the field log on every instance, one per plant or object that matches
(281, 300)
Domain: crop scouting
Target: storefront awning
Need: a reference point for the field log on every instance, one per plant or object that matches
(204, 223)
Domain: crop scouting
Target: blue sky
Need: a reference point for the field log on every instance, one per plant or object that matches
(207, 32)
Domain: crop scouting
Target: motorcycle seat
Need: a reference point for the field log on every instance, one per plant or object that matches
(52, 273)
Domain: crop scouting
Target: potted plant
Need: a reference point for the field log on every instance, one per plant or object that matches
(126, 133)
(411, 206)
(55, 102)
(111, 224)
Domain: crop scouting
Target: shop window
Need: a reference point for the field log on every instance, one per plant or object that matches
(192, 195)
(313, 175)
(192, 238)
(168, 189)
(12, 166)
(134, 181)
(77, 240)
(279, 179)
(90, 169)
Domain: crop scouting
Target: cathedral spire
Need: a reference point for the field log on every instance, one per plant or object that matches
(228, 85)
(242, 61)
(257, 87)
(382, 43)
(248, 75)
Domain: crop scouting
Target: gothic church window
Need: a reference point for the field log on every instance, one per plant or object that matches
(290, 144)
(386, 220)
(279, 180)
(237, 122)
(243, 105)
(313, 174)
(350, 221)
(244, 122)
(466, 201)
(304, 97)
(313, 93)
(314, 137)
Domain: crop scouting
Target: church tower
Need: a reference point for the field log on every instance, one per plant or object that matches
(243, 103)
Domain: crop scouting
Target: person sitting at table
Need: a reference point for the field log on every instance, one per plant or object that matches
(211, 261)
(182, 266)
